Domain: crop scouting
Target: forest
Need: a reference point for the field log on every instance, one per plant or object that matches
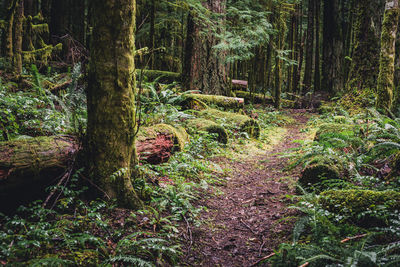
(199, 133)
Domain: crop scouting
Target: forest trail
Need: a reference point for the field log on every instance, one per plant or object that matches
(248, 217)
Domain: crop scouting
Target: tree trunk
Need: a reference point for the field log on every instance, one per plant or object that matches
(364, 65)
(204, 70)
(388, 52)
(111, 100)
(309, 47)
(17, 38)
(332, 51)
(317, 73)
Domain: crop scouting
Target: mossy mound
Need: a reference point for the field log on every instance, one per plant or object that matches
(179, 134)
(217, 100)
(190, 103)
(353, 202)
(235, 121)
(336, 128)
(208, 126)
(320, 169)
(160, 76)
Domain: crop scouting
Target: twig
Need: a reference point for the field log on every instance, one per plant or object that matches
(352, 238)
(305, 264)
(245, 224)
(261, 247)
(96, 186)
(65, 175)
(189, 231)
(262, 259)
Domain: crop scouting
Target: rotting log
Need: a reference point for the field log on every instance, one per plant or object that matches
(28, 166)
(239, 84)
(157, 143)
(254, 97)
(235, 121)
(225, 102)
(195, 125)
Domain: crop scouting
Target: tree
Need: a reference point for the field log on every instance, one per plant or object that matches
(309, 46)
(204, 70)
(388, 52)
(332, 50)
(111, 102)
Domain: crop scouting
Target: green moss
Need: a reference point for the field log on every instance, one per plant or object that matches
(353, 202)
(160, 76)
(320, 169)
(235, 121)
(336, 128)
(339, 119)
(254, 98)
(191, 103)
(208, 126)
(180, 136)
(217, 100)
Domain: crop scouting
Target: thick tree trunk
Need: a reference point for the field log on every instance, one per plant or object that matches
(204, 70)
(388, 52)
(332, 51)
(364, 65)
(17, 38)
(309, 47)
(111, 100)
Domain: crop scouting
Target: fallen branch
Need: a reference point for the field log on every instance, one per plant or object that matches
(352, 238)
(262, 259)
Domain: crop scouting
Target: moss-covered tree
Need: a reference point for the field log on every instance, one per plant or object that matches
(111, 104)
(388, 47)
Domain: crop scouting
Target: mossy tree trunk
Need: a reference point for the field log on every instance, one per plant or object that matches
(203, 69)
(317, 72)
(364, 65)
(388, 52)
(17, 38)
(111, 103)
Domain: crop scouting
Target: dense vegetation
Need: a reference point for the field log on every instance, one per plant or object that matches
(120, 119)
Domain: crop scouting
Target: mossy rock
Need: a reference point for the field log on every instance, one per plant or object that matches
(319, 169)
(353, 202)
(180, 136)
(208, 126)
(336, 128)
(326, 108)
(160, 76)
(235, 121)
(225, 102)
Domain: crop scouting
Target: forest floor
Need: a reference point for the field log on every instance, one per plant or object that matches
(248, 216)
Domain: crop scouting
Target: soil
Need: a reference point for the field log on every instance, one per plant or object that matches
(248, 217)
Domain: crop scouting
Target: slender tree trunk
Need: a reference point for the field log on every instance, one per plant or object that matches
(317, 73)
(204, 70)
(111, 101)
(17, 38)
(388, 52)
(152, 36)
(309, 47)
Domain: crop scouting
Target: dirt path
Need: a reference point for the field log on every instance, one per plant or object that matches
(248, 217)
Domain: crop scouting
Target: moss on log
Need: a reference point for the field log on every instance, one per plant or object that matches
(353, 202)
(28, 166)
(209, 126)
(234, 121)
(156, 144)
(319, 169)
(217, 100)
(254, 97)
(160, 76)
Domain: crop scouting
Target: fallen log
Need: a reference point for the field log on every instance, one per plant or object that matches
(239, 84)
(235, 121)
(209, 126)
(157, 143)
(254, 98)
(225, 102)
(158, 75)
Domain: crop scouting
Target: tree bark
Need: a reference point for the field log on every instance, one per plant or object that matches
(111, 101)
(204, 70)
(309, 47)
(332, 50)
(317, 73)
(17, 38)
(364, 65)
(388, 51)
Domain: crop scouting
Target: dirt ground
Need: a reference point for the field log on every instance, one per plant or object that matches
(248, 217)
